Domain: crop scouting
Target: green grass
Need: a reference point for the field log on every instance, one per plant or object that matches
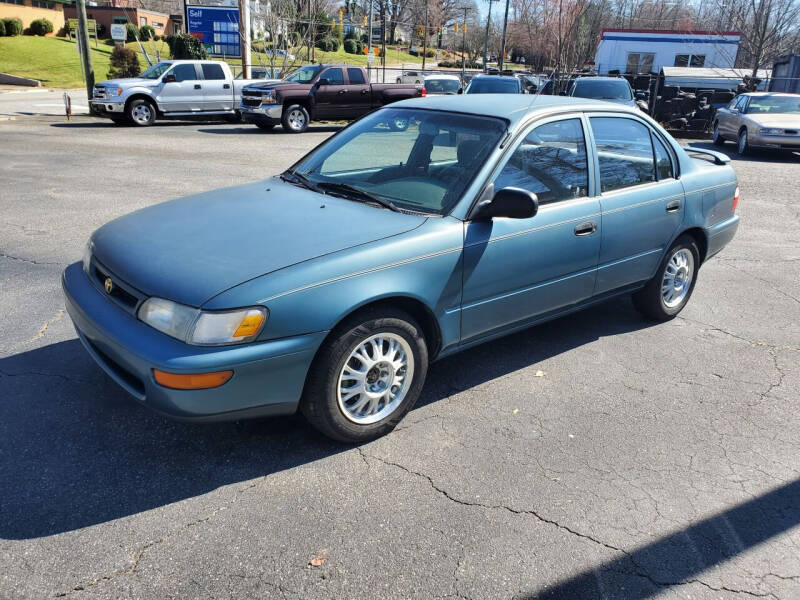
(56, 63)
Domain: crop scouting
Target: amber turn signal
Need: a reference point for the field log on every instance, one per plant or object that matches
(191, 381)
(249, 325)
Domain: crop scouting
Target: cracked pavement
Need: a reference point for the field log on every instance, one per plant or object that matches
(596, 456)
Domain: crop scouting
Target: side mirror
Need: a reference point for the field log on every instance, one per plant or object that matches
(509, 202)
(323, 81)
(640, 95)
(460, 90)
(170, 78)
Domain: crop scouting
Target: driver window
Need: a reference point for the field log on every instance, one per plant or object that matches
(184, 72)
(550, 162)
(334, 76)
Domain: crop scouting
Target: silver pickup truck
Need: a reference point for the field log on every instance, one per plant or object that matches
(171, 89)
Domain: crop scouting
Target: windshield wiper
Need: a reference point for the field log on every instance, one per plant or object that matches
(354, 193)
(299, 179)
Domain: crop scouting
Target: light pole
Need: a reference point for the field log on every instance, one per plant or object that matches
(463, 42)
(503, 45)
(425, 36)
(486, 43)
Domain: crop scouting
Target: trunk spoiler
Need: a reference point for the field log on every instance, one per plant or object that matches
(719, 157)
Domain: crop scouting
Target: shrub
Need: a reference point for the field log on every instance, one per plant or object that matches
(430, 53)
(41, 27)
(186, 47)
(124, 63)
(13, 26)
(350, 46)
(131, 33)
(2, 28)
(146, 32)
(359, 47)
(328, 44)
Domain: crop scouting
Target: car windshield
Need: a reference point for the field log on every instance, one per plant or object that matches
(417, 160)
(602, 90)
(304, 74)
(442, 86)
(481, 85)
(156, 70)
(774, 104)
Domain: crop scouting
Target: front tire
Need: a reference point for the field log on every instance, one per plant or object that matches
(295, 119)
(742, 144)
(141, 112)
(716, 138)
(669, 290)
(367, 375)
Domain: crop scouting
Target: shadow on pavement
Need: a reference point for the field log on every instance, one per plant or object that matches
(679, 557)
(240, 129)
(78, 451)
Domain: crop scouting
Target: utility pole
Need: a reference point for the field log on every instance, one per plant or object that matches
(425, 36)
(83, 46)
(464, 42)
(244, 36)
(369, 39)
(486, 42)
(383, 40)
(502, 56)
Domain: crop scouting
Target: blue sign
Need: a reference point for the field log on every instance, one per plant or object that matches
(216, 27)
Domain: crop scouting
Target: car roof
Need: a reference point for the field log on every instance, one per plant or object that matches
(442, 76)
(481, 76)
(762, 94)
(592, 78)
(513, 107)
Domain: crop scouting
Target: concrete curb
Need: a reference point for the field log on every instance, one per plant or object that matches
(5, 78)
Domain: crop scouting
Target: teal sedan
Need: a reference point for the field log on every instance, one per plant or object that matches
(332, 287)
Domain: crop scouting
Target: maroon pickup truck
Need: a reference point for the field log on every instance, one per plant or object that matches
(319, 93)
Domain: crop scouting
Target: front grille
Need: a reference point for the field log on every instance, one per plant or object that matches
(790, 131)
(251, 100)
(100, 93)
(124, 295)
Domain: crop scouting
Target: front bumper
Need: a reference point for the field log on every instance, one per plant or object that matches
(259, 113)
(268, 376)
(106, 107)
(784, 142)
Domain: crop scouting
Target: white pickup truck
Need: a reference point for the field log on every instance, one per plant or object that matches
(171, 89)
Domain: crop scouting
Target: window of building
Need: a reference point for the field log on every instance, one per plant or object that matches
(41, 4)
(142, 21)
(639, 62)
(550, 162)
(19, 2)
(690, 60)
(624, 152)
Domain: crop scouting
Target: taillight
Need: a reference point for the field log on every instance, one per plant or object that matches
(735, 199)
(424, 92)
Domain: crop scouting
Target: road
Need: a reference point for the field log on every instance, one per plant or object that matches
(40, 101)
(597, 456)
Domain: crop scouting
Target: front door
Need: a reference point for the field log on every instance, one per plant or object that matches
(185, 94)
(217, 91)
(641, 201)
(329, 100)
(518, 269)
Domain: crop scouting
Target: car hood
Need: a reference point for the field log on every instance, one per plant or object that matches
(129, 82)
(789, 120)
(191, 249)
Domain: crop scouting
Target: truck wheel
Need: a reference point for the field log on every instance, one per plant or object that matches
(295, 119)
(264, 124)
(141, 112)
(398, 124)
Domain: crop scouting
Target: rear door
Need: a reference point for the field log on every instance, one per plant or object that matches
(185, 94)
(358, 98)
(329, 100)
(641, 200)
(217, 89)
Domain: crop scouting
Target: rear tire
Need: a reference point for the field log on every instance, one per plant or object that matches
(295, 119)
(716, 138)
(353, 399)
(141, 112)
(669, 290)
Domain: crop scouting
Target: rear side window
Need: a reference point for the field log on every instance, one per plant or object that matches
(624, 151)
(334, 76)
(550, 162)
(355, 76)
(184, 72)
(212, 71)
(663, 161)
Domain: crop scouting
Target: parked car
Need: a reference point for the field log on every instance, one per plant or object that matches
(170, 89)
(495, 84)
(610, 89)
(411, 77)
(759, 120)
(320, 93)
(442, 84)
(331, 288)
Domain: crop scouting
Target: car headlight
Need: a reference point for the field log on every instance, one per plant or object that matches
(770, 131)
(203, 328)
(269, 97)
(87, 257)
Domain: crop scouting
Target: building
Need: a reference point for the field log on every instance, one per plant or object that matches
(105, 15)
(648, 50)
(30, 10)
(786, 74)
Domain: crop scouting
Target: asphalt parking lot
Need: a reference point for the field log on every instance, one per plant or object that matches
(597, 456)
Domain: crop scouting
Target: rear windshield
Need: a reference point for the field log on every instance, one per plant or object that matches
(602, 90)
(480, 85)
(442, 86)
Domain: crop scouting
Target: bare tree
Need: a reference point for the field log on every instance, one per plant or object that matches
(768, 29)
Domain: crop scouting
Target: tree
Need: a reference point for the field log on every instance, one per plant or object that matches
(768, 29)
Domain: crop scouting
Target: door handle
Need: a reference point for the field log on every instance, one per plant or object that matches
(197, 86)
(340, 92)
(363, 92)
(226, 86)
(673, 206)
(587, 228)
